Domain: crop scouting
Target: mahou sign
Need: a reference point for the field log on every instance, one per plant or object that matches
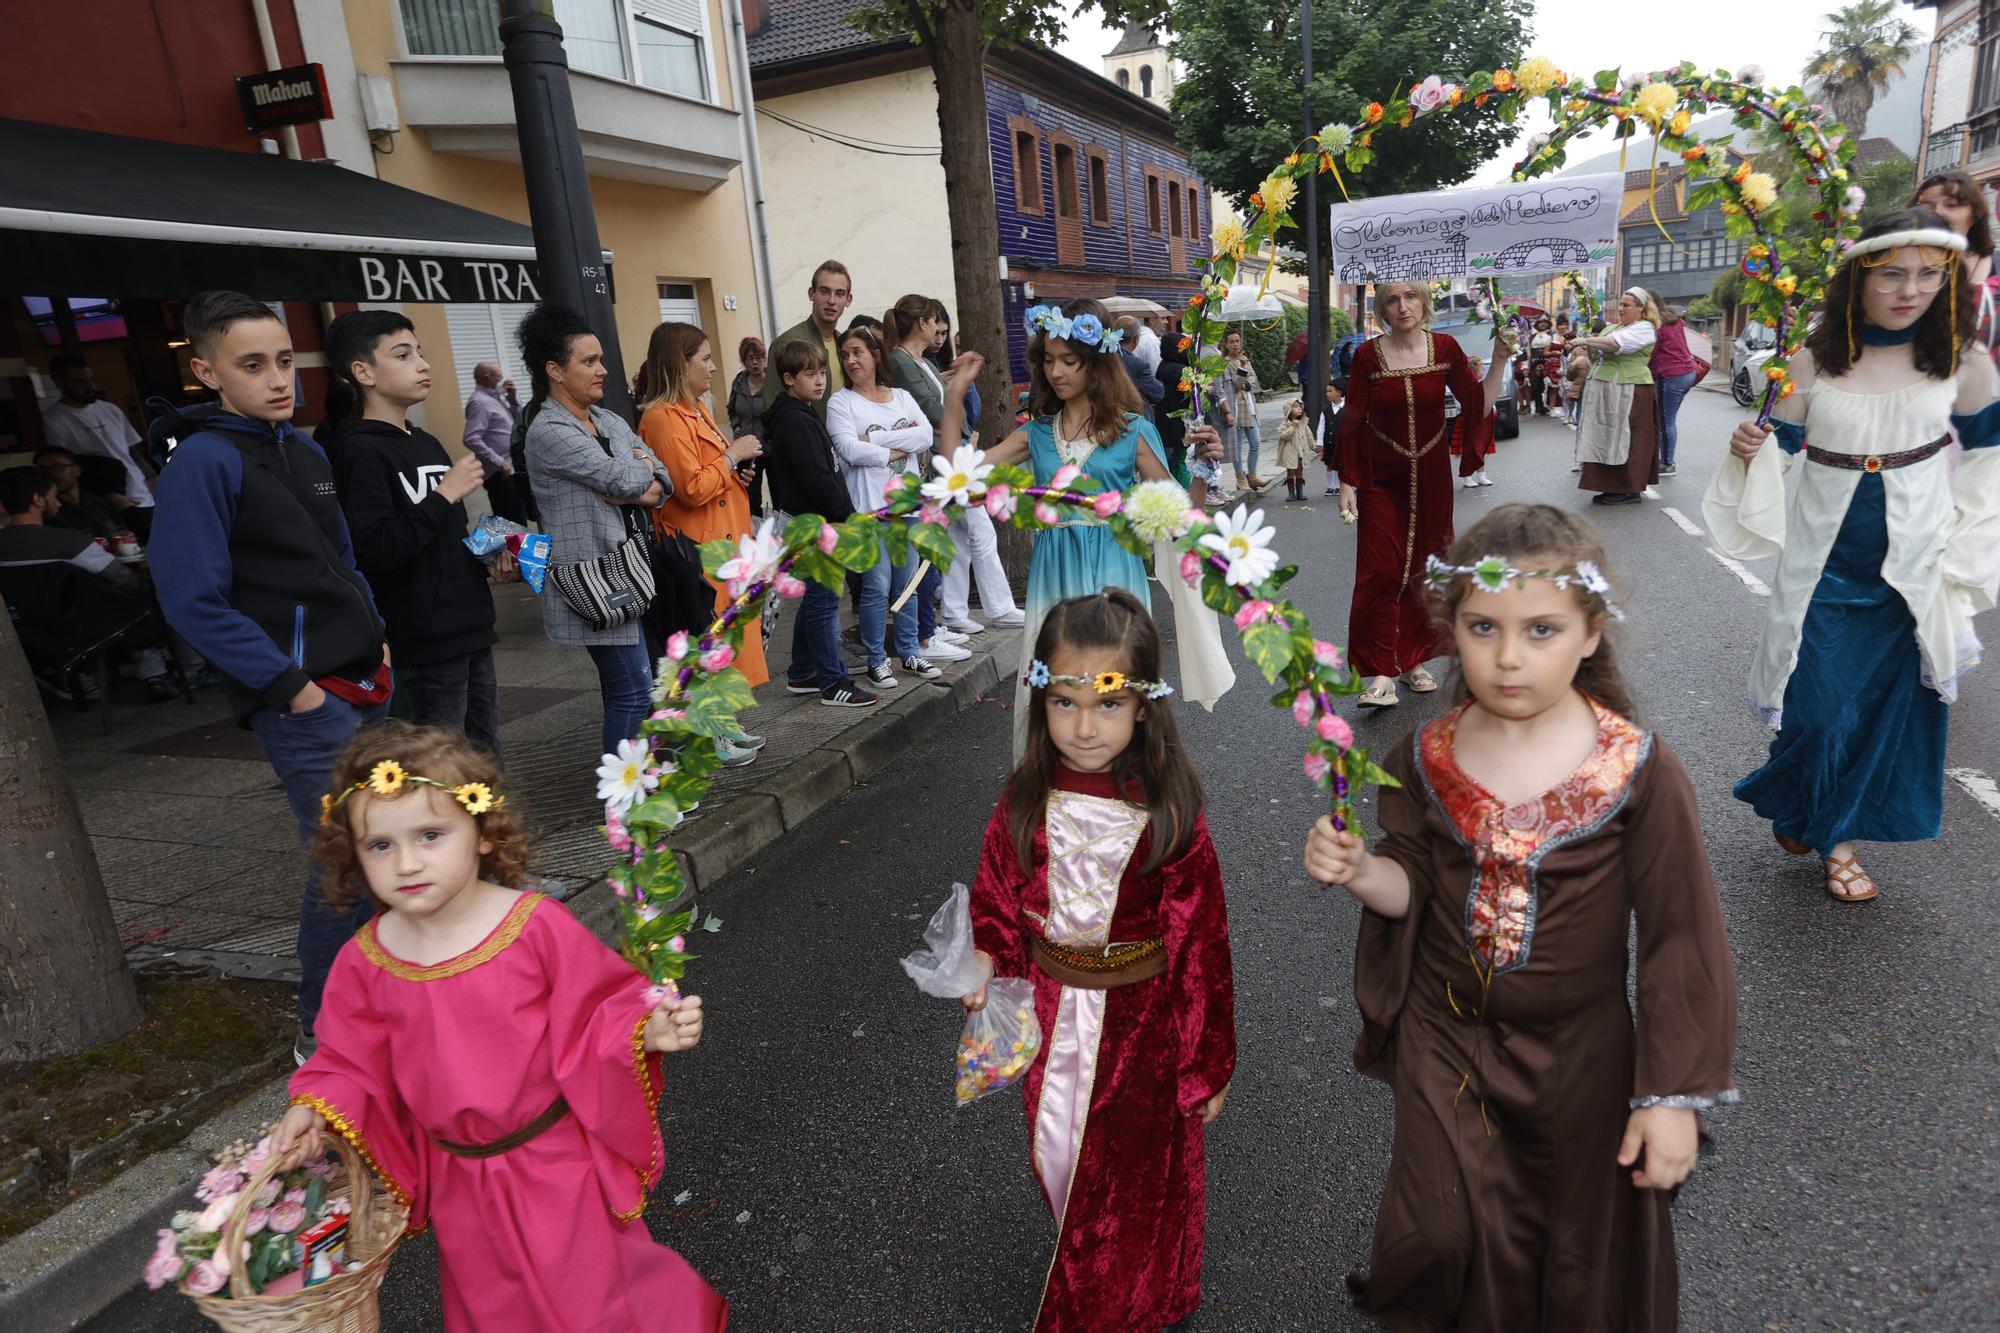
(277, 97)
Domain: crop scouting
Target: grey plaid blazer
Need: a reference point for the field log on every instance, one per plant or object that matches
(571, 475)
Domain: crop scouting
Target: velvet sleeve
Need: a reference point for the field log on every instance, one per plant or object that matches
(1465, 386)
(1687, 983)
(1196, 928)
(996, 899)
(350, 1081)
(597, 1014)
(1351, 450)
(1385, 950)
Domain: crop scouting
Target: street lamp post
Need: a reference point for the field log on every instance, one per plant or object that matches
(1313, 382)
(559, 207)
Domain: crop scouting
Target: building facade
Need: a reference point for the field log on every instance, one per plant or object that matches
(1139, 63)
(1961, 117)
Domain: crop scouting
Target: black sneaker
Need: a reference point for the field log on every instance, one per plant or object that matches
(844, 693)
(1669, 470)
(160, 689)
(794, 687)
(881, 677)
(922, 668)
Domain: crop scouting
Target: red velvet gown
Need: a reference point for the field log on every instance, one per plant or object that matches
(1393, 452)
(1114, 1099)
(545, 1237)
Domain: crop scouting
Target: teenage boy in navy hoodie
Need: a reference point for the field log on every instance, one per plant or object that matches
(253, 566)
(405, 504)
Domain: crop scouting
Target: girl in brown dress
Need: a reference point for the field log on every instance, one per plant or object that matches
(1538, 1136)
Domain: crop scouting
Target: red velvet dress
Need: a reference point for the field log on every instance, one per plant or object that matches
(1114, 1099)
(545, 1237)
(1393, 452)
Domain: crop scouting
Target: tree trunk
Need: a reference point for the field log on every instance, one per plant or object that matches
(63, 983)
(958, 60)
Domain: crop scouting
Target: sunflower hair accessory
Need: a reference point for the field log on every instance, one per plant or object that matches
(1086, 328)
(389, 778)
(1492, 573)
(1039, 677)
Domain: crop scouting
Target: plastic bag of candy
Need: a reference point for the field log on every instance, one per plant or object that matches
(492, 535)
(998, 1042)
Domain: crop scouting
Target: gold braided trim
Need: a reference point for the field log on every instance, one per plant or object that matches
(1114, 957)
(345, 1127)
(485, 951)
(652, 1096)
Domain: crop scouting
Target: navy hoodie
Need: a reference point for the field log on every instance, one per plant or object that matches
(251, 558)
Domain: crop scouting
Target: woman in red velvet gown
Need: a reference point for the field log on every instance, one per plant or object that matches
(1395, 472)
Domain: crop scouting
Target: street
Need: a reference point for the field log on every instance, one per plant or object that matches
(819, 1177)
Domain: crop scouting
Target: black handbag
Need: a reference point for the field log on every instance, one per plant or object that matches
(615, 588)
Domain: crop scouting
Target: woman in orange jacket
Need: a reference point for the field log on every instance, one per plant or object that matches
(709, 498)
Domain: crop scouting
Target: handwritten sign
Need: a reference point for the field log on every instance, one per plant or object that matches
(1485, 231)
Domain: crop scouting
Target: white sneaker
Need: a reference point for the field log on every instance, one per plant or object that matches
(965, 629)
(1012, 620)
(939, 650)
(1483, 477)
(949, 635)
(1471, 483)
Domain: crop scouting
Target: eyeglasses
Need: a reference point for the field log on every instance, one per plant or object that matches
(1896, 279)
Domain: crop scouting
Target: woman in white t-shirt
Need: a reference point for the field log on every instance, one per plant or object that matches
(878, 431)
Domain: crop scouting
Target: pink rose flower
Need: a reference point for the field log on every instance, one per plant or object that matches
(165, 1242)
(678, 944)
(1107, 503)
(1326, 654)
(790, 587)
(162, 1268)
(930, 513)
(270, 1191)
(1317, 767)
(829, 537)
(1046, 515)
(677, 645)
(661, 994)
(205, 1279)
(254, 1223)
(220, 1180)
(717, 658)
(1191, 569)
(214, 1217)
(1335, 731)
(295, 1195)
(614, 830)
(1302, 708)
(1429, 95)
(1252, 612)
(1000, 502)
(619, 891)
(320, 1170)
(1195, 518)
(1065, 474)
(288, 1217)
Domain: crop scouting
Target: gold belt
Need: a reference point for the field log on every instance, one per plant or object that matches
(1118, 965)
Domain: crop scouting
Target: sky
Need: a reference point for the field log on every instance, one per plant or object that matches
(1584, 36)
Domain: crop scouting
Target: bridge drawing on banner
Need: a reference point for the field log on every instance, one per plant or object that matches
(1514, 229)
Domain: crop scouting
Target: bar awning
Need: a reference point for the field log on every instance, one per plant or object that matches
(84, 213)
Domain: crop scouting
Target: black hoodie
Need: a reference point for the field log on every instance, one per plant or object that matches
(410, 542)
(803, 476)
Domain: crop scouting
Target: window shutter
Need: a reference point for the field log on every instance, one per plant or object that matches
(689, 16)
(486, 333)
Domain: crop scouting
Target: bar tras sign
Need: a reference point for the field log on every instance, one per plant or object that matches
(294, 96)
(483, 281)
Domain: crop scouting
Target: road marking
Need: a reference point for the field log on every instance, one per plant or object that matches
(1979, 787)
(1692, 529)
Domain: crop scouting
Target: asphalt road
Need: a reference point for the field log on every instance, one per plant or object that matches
(820, 1177)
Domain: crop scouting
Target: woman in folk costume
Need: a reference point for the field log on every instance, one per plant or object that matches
(1098, 880)
(1884, 555)
(1395, 472)
(1618, 436)
(1087, 422)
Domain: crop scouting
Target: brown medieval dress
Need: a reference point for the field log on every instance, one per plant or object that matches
(1497, 1011)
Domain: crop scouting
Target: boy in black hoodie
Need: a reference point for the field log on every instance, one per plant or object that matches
(404, 500)
(805, 481)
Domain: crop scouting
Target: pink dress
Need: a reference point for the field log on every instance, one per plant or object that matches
(545, 1237)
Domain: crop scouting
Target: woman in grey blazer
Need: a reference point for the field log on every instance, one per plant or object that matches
(587, 466)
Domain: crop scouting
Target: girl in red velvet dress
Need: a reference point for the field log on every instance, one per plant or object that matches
(1395, 472)
(1098, 880)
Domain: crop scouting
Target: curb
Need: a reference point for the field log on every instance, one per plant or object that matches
(68, 1268)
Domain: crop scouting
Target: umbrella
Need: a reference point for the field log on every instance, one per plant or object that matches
(1133, 305)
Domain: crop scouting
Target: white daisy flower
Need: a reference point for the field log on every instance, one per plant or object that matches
(757, 556)
(1242, 539)
(624, 778)
(960, 478)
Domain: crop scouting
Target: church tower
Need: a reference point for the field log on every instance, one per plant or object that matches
(1139, 64)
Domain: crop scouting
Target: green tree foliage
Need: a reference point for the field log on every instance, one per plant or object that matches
(1240, 108)
(1865, 49)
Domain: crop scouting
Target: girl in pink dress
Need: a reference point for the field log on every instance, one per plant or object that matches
(1098, 880)
(496, 1065)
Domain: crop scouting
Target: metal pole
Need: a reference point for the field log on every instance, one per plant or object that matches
(565, 224)
(1313, 382)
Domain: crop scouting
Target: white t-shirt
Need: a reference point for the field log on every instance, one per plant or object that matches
(865, 432)
(104, 431)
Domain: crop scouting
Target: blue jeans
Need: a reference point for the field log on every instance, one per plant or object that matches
(1244, 442)
(927, 595)
(625, 679)
(301, 748)
(816, 638)
(458, 694)
(1672, 390)
(878, 586)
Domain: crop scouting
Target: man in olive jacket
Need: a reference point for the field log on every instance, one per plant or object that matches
(832, 291)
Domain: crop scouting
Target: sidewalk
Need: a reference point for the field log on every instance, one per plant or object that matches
(200, 854)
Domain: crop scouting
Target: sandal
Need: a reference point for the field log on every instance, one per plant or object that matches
(1420, 681)
(1847, 882)
(1381, 694)
(1792, 845)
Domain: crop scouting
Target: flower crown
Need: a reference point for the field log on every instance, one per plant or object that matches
(1086, 328)
(1492, 573)
(1038, 677)
(388, 778)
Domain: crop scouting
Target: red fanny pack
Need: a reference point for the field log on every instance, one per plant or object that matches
(361, 693)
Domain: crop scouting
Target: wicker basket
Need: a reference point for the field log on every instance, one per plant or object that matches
(344, 1303)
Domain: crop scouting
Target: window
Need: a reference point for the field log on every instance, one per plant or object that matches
(1064, 157)
(661, 44)
(485, 333)
(1027, 165)
(667, 46)
(1100, 189)
(1125, 79)
(1173, 208)
(678, 304)
(1146, 82)
(1152, 202)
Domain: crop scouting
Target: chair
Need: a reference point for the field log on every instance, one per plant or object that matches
(69, 622)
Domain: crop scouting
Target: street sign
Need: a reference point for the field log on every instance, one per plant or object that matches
(279, 97)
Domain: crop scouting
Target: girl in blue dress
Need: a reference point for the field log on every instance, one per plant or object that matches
(1087, 414)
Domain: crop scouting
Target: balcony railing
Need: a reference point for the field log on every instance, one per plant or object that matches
(1945, 150)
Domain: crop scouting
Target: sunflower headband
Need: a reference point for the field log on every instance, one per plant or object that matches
(388, 778)
(1038, 677)
(1086, 328)
(1493, 574)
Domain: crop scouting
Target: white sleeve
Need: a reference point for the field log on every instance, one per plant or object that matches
(95, 559)
(910, 439)
(847, 441)
(1633, 337)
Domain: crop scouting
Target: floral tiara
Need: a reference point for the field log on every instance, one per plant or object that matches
(388, 778)
(1038, 677)
(1492, 573)
(1086, 328)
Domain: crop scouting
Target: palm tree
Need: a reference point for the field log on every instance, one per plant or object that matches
(1866, 46)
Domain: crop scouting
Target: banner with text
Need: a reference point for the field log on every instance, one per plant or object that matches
(1483, 231)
